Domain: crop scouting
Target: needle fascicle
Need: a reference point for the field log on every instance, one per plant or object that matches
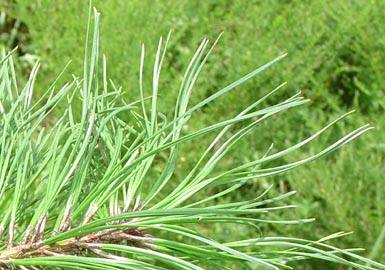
(11, 232)
(90, 213)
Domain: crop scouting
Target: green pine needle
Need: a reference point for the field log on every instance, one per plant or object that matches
(81, 192)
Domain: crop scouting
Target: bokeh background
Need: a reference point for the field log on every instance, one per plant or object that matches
(336, 57)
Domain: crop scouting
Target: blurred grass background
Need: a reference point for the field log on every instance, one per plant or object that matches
(336, 56)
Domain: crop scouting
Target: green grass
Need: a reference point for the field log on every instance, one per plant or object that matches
(335, 55)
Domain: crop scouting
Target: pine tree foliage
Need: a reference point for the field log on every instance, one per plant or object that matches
(79, 190)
